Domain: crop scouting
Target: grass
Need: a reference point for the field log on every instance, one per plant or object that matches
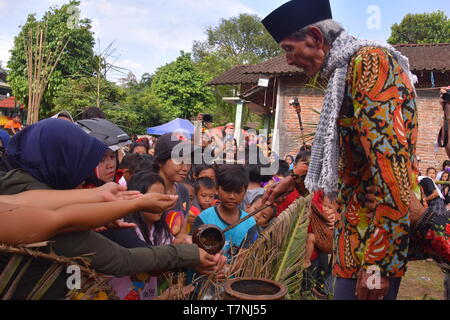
(423, 281)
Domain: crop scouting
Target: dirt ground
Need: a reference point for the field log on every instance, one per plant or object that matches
(423, 281)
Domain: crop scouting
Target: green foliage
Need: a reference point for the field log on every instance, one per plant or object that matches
(236, 41)
(134, 109)
(181, 89)
(78, 58)
(422, 28)
(76, 95)
(145, 105)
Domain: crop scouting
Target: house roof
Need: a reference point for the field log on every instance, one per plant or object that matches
(9, 102)
(423, 57)
(276, 65)
(427, 57)
(4, 85)
(236, 75)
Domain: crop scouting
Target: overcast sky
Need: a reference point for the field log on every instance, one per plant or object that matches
(151, 33)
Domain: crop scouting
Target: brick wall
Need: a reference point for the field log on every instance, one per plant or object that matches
(430, 119)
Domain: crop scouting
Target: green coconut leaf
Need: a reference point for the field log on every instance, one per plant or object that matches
(293, 254)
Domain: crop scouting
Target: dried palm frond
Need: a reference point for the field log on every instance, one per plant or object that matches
(279, 253)
(94, 285)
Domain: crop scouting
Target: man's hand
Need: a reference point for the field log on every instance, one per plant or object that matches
(364, 293)
(276, 190)
(210, 264)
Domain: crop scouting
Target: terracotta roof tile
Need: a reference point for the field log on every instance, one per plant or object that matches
(9, 102)
(422, 57)
(427, 56)
(276, 65)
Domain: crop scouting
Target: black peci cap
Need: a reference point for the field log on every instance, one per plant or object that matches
(295, 15)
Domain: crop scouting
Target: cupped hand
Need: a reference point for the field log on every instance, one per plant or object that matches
(114, 192)
(157, 202)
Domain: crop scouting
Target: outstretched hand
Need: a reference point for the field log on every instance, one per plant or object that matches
(114, 192)
(156, 202)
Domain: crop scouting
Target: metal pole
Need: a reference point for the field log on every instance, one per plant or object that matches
(238, 124)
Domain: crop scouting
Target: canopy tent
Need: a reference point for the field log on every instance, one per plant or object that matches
(177, 125)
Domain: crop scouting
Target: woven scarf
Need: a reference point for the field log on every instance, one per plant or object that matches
(323, 168)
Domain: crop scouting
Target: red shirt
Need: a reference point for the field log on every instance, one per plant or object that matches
(289, 200)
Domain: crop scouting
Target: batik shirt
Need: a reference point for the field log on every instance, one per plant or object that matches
(378, 134)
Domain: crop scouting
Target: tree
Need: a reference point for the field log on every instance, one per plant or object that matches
(77, 59)
(133, 109)
(76, 95)
(181, 89)
(129, 81)
(236, 41)
(146, 80)
(422, 28)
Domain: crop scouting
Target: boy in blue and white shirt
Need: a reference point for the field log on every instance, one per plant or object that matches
(232, 182)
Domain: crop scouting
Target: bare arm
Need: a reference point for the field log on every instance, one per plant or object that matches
(55, 199)
(432, 196)
(24, 224)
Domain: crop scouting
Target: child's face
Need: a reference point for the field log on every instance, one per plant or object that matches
(140, 150)
(231, 200)
(208, 173)
(107, 167)
(205, 197)
(263, 218)
(432, 174)
(154, 217)
(191, 192)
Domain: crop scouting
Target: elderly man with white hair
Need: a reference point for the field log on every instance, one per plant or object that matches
(366, 136)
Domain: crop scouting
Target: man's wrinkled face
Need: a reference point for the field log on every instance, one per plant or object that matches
(307, 54)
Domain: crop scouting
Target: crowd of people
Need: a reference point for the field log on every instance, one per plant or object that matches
(75, 170)
(372, 211)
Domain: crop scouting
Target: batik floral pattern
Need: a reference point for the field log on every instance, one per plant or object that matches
(378, 134)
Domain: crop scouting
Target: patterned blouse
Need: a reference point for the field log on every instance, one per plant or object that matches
(378, 133)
